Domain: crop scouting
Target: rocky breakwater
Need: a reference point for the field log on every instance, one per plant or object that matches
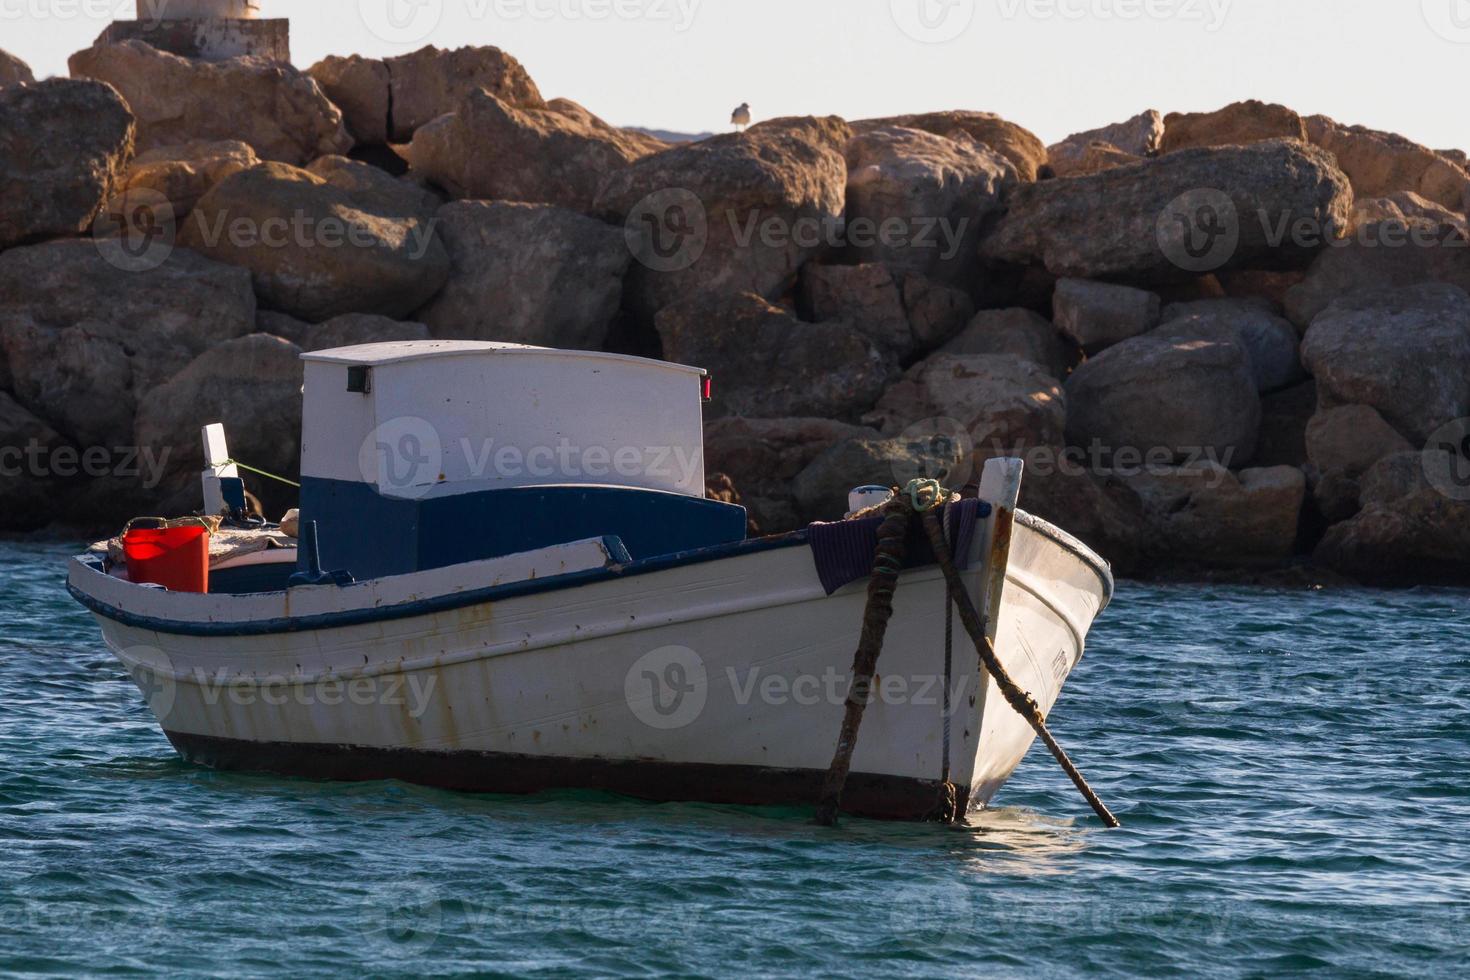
(1222, 341)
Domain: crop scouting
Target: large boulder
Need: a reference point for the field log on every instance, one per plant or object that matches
(180, 175)
(1379, 163)
(1127, 141)
(355, 329)
(1350, 439)
(527, 274)
(1097, 315)
(85, 339)
(1381, 255)
(1018, 332)
(1180, 215)
(821, 489)
(937, 311)
(867, 296)
(735, 213)
(1270, 340)
(1237, 124)
(1205, 514)
(1004, 403)
(30, 487)
(487, 148)
(1101, 510)
(270, 105)
(351, 240)
(430, 82)
(1404, 352)
(1165, 398)
(63, 147)
(768, 364)
(917, 201)
(360, 88)
(13, 71)
(1403, 207)
(253, 385)
(1407, 533)
(763, 457)
(1016, 143)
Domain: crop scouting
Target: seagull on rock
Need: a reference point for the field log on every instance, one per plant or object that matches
(741, 116)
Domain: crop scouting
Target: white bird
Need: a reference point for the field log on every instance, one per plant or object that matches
(741, 116)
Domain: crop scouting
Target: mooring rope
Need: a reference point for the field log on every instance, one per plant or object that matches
(1024, 704)
(269, 476)
(921, 499)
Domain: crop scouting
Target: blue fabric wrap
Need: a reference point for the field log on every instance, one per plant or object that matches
(843, 551)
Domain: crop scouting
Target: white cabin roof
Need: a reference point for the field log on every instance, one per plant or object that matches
(403, 351)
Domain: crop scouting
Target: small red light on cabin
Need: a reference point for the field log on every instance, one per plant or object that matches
(707, 388)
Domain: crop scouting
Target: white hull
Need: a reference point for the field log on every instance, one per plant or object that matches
(722, 680)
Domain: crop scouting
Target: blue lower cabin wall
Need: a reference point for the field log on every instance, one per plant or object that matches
(370, 535)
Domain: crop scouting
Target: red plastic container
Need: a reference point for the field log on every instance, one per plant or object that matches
(176, 558)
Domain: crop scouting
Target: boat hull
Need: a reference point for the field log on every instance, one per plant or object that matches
(720, 680)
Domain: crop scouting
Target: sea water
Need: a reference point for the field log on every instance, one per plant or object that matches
(1292, 769)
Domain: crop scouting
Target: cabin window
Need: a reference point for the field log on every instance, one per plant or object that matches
(360, 379)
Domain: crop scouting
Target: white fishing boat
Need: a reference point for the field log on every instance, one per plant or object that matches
(518, 584)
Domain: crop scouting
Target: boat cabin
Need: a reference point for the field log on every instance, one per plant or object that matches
(423, 454)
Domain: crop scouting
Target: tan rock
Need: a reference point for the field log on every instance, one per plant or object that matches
(85, 339)
(1404, 207)
(937, 311)
(1017, 144)
(63, 148)
(917, 201)
(734, 213)
(430, 82)
(768, 364)
(490, 149)
(1269, 340)
(13, 71)
(866, 296)
(1380, 164)
(356, 241)
(1020, 333)
(1237, 124)
(1420, 538)
(1171, 398)
(764, 457)
(360, 88)
(1404, 352)
(181, 175)
(1004, 403)
(1093, 158)
(1097, 315)
(354, 329)
(1382, 255)
(1350, 439)
(1205, 514)
(527, 274)
(1102, 149)
(1143, 223)
(252, 385)
(270, 105)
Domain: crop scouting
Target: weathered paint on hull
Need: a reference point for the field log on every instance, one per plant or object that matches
(540, 690)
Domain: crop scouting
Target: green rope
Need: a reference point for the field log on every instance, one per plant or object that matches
(268, 476)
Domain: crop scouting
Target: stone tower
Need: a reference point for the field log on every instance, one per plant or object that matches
(210, 30)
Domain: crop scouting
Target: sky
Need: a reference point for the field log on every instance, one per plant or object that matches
(1054, 66)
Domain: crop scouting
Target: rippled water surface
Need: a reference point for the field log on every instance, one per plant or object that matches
(1292, 769)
